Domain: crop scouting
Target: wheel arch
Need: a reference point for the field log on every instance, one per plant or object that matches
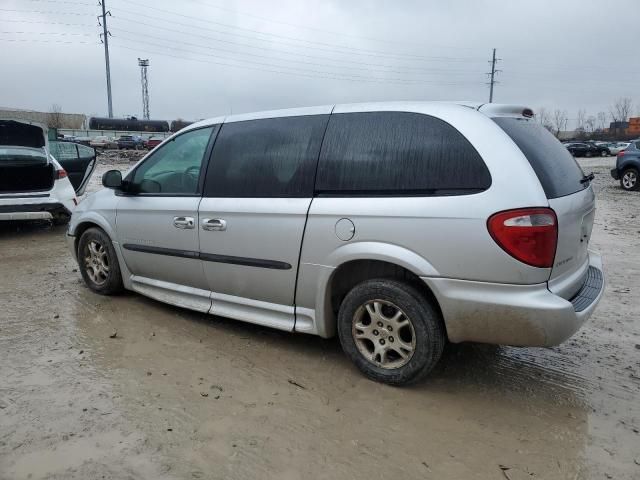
(352, 271)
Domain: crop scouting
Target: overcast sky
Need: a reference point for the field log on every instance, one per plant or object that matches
(213, 57)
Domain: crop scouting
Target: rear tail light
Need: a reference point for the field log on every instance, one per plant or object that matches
(620, 153)
(527, 234)
(62, 173)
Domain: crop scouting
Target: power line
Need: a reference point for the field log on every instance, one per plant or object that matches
(262, 47)
(48, 33)
(271, 65)
(307, 27)
(28, 22)
(235, 52)
(31, 40)
(321, 75)
(348, 49)
(42, 12)
(63, 1)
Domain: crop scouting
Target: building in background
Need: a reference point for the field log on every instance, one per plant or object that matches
(61, 120)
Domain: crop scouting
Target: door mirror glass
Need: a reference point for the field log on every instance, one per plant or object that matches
(112, 179)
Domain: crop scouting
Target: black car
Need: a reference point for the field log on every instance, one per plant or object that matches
(587, 149)
(130, 141)
(628, 167)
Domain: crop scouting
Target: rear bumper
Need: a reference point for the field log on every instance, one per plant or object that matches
(519, 315)
(33, 211)
(615, 174)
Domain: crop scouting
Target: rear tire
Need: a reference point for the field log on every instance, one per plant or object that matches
(390, 331)
(629, 179)
(98, 262)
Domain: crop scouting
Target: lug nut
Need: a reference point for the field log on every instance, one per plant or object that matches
(382, 341)
(391, 339)
(375, 332)
(390, 328)
(380, 324)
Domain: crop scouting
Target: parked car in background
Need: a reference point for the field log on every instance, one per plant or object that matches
(588, 149)
(103, 142)
(153, 142)
(628, 166)
(130, 142)
(86, 141)
(398, 226)
(35, 184)
(617, 147)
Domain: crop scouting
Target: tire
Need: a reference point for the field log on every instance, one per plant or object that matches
(588, 154)
(419, 331)
(95, 252)
(605, 153)
(630, 179)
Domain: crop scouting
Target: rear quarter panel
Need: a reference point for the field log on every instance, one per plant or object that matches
(430, 236)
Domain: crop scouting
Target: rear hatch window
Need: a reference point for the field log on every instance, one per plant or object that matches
(557, 170)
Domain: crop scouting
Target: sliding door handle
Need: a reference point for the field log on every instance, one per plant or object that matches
(214, 224)
(184, 223)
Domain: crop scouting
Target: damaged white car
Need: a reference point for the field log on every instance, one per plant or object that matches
(40, 179)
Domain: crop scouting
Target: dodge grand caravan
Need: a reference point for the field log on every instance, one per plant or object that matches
(398, 226)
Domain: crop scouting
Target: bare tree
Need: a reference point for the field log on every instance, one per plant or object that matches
(55, 118)
(560, 120)
(602, 120)
(621, 110)
(620, 113)
(590, 124)
(581, 121)
(544, 118)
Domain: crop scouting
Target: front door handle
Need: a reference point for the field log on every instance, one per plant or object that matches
(184, 223)
(214, 224)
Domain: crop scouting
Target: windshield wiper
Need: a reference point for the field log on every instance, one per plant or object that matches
(588, 178)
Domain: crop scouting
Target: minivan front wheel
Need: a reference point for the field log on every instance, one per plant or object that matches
(98, 262)
(390, 331)
(629, 179)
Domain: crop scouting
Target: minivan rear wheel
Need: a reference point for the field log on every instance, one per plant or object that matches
(98, 262)
(629, 179)
(390, 331)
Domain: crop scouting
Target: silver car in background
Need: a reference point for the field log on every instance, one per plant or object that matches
(396, 226)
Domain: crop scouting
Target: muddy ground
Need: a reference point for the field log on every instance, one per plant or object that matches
(178, 394)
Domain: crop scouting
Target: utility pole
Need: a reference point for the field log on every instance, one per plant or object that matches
(144, 63)
(492, 74)
(105, 40)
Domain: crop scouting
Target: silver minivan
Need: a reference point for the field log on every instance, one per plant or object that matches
(396, 226)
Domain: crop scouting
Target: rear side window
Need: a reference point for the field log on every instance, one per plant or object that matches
(273, 157)
(398, 153)
(557, 170)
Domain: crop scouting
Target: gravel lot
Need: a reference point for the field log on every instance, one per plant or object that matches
(177, 394)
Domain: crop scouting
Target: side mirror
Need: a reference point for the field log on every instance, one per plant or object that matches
(112, 179)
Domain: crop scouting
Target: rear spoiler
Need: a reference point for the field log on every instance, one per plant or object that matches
(502, 110)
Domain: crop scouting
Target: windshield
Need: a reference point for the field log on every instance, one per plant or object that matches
(557, 170)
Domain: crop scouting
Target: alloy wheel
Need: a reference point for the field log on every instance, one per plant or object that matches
(96, 262)
(383, 334)
(629, 180)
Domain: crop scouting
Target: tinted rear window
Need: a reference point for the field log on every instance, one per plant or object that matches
(273, 157)
(557, 170)
(398, 153)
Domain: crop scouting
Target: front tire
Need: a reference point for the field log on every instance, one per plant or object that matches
(98, 262)
(629, 179)
(390, 331)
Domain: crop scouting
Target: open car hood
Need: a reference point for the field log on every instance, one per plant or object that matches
(22, 134)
